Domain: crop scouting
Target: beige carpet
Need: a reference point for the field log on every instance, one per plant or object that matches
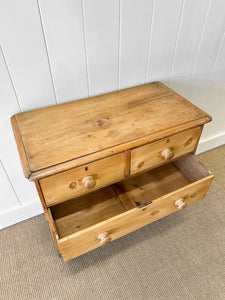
(179, 257)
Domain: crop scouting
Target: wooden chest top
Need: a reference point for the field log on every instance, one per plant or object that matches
(67, 135)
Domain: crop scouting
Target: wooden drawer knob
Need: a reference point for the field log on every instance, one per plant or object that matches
(104, 238)
(89, 182)
(180, 203)
(168, 153)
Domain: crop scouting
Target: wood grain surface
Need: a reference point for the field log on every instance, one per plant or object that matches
(80, 222)
(83, 241)
(69, 184)
(150, 155)
(66, 132)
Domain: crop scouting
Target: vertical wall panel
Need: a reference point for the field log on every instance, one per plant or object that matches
(166, 18)
(217, 94)
(200, 89)
(8, 199)
(8, 151)
(218, 74)
(101, 19)
(211, 40)
(63, 28)
(23, 44)
(135, 25)
(188, 44)
(189, 37)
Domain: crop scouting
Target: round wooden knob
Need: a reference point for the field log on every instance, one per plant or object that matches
(89, 182)
(167, 153)
(180, 203)
(104, 238)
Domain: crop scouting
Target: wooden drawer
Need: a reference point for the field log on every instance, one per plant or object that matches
(85, 179)
(114, 211)
(164, 150)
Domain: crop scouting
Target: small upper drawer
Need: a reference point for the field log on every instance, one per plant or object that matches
(167, 149)
(82, 180)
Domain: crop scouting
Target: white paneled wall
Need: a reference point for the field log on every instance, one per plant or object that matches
(166, 20)
(134, 41)
(63, 29)
(52, 51)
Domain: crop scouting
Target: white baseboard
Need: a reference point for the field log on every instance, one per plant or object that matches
(20, 213)
(34, 207)
(210, 143)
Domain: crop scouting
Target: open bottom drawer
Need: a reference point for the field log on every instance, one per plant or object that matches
(85, 223)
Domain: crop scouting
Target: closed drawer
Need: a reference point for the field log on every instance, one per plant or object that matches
(114, 211)
(78, 181)
(164, 150)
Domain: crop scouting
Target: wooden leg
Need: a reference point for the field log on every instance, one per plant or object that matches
(49, 217)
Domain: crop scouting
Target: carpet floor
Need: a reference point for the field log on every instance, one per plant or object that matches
(181, 256)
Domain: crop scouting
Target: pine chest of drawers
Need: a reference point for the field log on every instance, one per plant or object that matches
(110, 164)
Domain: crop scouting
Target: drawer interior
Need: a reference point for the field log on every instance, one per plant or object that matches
(77, 214)
(158, 182)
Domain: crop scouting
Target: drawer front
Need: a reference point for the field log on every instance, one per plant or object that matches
(82, 180)
(167, 149)
(88, 239)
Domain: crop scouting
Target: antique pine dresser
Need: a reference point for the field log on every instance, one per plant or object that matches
(110, 164)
